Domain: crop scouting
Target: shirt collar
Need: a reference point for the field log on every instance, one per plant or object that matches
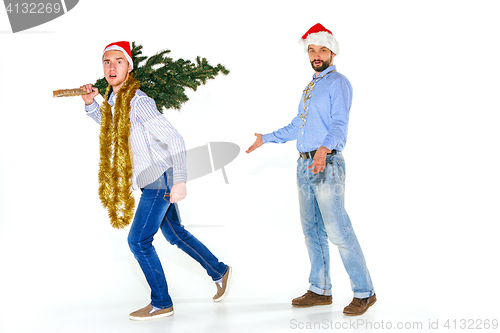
(331, 68)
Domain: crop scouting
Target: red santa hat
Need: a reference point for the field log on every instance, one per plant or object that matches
(319, 35)
(121, 46)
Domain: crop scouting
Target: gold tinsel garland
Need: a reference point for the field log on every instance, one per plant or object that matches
(115, 165)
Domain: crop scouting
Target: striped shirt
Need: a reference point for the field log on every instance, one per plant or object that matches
(156, 144)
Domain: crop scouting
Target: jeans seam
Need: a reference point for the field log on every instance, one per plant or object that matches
(141, 247)
(325, 277)
(179, 238)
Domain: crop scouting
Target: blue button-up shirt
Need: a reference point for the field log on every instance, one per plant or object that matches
(323, 114)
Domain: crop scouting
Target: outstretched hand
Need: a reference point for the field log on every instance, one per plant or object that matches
(92, 92)
(178, 192)
(258, 142)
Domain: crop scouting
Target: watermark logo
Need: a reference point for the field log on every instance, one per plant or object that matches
(209, 158)
(26, 14)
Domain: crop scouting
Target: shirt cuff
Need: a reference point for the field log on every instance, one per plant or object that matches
(268, 138)
(328, 145)
(98, 100)
(180, 176)
(92, 107)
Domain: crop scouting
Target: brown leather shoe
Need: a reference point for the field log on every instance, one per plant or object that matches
(359, 306)
(148, 313)
(222, 292)
(310, 299)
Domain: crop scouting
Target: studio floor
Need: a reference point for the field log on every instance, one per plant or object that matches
(96, 291)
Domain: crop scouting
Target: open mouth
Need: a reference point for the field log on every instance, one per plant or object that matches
(112, 75)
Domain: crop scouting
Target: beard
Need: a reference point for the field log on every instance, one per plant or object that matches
(322, 67)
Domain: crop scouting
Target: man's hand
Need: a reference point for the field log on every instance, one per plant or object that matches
(318, 165)
(92, 92)
(178, 192)
(258, 142)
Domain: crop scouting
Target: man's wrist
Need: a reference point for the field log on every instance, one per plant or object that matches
(266, 138)
(323, 150)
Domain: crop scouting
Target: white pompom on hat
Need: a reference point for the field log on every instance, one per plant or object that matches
(319, 35)
(121, 46)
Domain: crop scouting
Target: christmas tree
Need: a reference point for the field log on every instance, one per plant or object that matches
(165, 80)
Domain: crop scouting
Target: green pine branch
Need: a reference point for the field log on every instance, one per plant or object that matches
(165, 80)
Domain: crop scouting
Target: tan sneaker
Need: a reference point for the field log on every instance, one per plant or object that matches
(222, 292)
(148, 313)
(359, 306)
(310, 299)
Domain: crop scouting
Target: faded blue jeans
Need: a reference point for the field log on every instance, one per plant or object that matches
(155, 212)
(323, 217)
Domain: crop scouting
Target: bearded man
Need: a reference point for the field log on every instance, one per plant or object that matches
(320, 129)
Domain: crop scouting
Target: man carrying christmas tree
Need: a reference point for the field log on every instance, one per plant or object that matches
(320, 129)
(140, 149)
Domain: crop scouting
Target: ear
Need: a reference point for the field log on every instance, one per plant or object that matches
(130, 68)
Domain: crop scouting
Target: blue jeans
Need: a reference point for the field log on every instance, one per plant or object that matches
(155, 212)
(323, 217)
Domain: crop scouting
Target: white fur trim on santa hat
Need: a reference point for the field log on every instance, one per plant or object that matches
(322, 38)
(119, 48)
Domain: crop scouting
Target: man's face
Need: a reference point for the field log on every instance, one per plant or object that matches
(116, 68)
(320, 57)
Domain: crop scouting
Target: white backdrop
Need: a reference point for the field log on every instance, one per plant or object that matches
(422, 161)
